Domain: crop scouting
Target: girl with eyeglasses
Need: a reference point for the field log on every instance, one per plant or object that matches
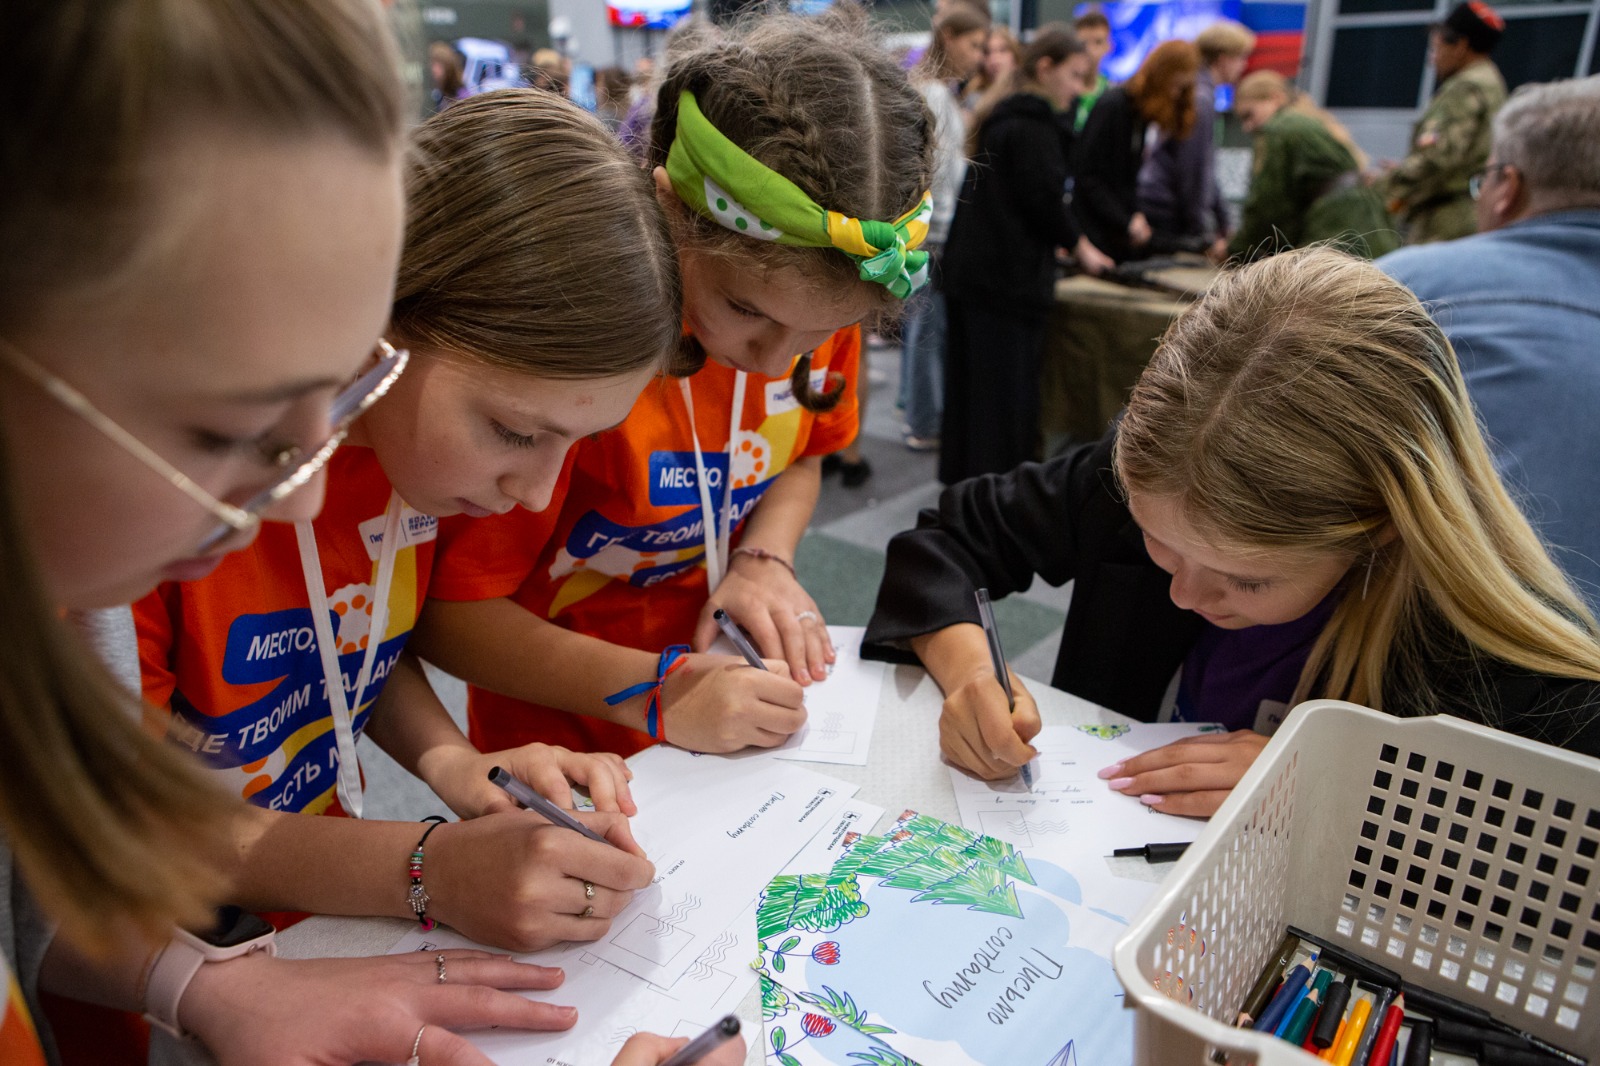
(203, 209)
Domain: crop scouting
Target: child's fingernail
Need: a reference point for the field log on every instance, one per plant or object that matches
(1110, 771)
(1150, 799)
(1119, 783)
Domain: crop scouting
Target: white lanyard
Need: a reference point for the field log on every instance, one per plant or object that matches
(349, 778)
(715, 523)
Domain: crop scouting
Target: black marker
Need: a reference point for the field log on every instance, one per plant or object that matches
(1153, 852)
(706, 1042)
(1419, 1048)
(1327, 1026)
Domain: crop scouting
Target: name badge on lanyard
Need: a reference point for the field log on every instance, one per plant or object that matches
(342, 709)
(715, 520)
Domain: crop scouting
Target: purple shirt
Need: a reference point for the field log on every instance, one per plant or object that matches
(1230, 672)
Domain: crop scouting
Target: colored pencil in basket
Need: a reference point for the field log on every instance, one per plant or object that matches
(1285, 997)
(1271, 975)
(1345, 1049)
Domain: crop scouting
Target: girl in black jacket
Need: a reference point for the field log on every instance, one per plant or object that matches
(999, 263)
(1298, 503)
(1127, 121)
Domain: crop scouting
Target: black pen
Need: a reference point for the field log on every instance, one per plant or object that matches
(541, 806)
(992, 631)
(738, 639)
(1153, 852)
(707, 1042)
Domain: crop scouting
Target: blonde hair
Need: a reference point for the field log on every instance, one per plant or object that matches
(529, 226)
(1270, 85)
(1224, 37)
(112, 828)
(1307, 405)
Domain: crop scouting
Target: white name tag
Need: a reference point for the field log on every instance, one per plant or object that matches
(415, 528)
(780, 396)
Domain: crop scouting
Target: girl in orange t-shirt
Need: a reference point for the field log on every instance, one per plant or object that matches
(793, 161)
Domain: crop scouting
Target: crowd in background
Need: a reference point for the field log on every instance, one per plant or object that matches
(1335, 479)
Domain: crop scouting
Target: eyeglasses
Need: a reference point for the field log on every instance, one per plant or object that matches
(296, 467)
(1475, 181)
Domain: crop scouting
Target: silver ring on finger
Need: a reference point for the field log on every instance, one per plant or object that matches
(416, 1046)
(588, 912)
(588, 890)
(438, 961)
(802, 616)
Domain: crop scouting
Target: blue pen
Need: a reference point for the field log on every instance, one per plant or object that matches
(998, 655)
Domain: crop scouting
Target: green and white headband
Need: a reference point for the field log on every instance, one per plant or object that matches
(721, 181)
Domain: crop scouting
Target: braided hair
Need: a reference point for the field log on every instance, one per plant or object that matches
(820, 101)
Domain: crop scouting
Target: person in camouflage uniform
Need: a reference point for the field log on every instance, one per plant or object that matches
(1307, 185)
(1428, 189)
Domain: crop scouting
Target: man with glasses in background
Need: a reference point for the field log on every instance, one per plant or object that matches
(1427, 191)
(1520, 301)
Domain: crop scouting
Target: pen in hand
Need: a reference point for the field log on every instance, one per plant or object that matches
(536, 803)
(737, 638)
(998, 655)
(707, 1042)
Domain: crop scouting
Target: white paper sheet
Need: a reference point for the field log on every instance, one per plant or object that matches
(1070, 816)
(717, 830)
(840, 710)
(675, 791)
(612, 1003)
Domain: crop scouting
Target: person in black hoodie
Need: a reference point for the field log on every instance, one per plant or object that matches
(999, 264)
(1297, 504)
(1112, 148)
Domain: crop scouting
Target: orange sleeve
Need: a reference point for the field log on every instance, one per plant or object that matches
(488, 558)
(154, 628)
(833, 429)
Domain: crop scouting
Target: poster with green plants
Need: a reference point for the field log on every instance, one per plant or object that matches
(934, 945)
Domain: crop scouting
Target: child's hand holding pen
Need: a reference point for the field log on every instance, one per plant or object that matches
(648, 1049)
(978, 731)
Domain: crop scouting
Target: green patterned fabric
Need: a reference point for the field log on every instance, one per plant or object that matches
(723, 183)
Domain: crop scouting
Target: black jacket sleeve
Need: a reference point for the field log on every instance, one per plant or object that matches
(1105, 179)
(998, 531)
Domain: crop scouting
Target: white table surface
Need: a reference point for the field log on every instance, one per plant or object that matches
(904, 771)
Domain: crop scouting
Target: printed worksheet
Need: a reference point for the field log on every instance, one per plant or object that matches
(840, 710)
(717, 830)
(613, 1004)
(1070, 814)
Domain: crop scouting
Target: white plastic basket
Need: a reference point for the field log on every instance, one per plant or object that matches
(1463, 858)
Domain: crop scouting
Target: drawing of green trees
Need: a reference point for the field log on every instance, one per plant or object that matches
(979, 887)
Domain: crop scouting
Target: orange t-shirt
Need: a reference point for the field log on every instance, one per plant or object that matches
(620, 552)
(19, 1040)
(232, 659)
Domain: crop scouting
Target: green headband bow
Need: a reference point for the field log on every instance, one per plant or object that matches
(718, 179)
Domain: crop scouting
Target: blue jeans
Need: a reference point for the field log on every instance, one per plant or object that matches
(922, 362)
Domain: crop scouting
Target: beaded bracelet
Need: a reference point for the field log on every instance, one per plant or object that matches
(671, 658)
(762, 553)
(418, 896)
